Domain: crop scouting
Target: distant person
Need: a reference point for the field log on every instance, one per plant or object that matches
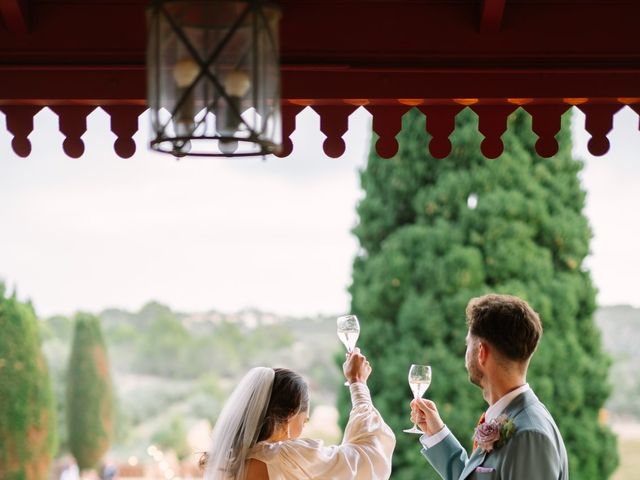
(516, 438)
(108, 471)
(257, 436)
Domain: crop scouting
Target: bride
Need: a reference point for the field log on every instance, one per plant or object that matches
(257, 436)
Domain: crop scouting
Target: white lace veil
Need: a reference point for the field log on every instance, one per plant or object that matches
(238, 425)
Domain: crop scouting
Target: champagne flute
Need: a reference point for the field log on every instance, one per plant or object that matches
(348, 332)
(419, 381)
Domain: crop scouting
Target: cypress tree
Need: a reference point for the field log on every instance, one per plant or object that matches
(435, 233)
(90, 403)
(27, 409)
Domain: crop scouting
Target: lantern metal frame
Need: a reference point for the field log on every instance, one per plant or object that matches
(161, 129)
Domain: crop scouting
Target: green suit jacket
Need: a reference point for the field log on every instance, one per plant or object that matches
(535, 452)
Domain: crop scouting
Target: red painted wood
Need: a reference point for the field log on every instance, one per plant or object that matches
(334, 123)
(421, 33)
(289, 113)
(15, 15)
(599, 122)
(124, 123)
(413, 33)
(425, 50)
(546, 121)
(492, 123)
(73, 124)
(60, 85)
(126, 85)
(491, 18)
(387, 123)
(20, 124)
(441, 121)
(79, 53)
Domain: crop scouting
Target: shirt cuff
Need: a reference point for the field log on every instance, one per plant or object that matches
(359, 394)
(429, 441)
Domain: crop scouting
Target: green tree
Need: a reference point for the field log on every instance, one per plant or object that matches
(56, 333)
(90, 400)
(173, 436)
(27, 410)
(435, 233)
(165, 346)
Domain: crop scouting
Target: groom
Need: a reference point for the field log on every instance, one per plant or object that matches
(516, 438)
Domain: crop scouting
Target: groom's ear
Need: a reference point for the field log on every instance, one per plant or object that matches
(484, 350)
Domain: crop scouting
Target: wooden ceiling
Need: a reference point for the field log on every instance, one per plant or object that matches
(441, 56)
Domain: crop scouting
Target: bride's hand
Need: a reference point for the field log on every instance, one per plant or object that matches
(356, 368)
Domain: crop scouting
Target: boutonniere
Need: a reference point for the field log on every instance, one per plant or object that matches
(494, 434)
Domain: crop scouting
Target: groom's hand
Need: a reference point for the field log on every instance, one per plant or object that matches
(425, 414)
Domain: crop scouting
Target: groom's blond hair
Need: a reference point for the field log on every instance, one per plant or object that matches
(506, 322)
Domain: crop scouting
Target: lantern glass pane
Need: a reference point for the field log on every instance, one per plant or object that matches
(214, 66)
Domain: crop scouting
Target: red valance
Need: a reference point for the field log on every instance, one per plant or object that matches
(440, 56)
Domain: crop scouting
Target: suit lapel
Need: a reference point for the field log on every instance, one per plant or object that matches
(476, 459)
(514, 408)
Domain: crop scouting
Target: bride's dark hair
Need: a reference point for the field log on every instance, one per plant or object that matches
(289, 395)
(263, 400)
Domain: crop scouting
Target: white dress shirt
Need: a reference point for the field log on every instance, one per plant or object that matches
(493, 412)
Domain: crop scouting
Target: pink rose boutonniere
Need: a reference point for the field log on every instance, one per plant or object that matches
(494, 434)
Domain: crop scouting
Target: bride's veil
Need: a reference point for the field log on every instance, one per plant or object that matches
(238, 425)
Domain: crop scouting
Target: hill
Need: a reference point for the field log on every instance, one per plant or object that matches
(177, 368)
(620, 327)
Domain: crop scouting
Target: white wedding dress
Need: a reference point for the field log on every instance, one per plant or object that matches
(365, 451)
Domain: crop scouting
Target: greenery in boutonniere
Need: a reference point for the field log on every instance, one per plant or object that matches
(495, 433)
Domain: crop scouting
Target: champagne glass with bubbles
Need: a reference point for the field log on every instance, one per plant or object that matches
(348, 332)
(419, 381)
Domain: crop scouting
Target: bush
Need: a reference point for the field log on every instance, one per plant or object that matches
(27, 409)
(90, 402)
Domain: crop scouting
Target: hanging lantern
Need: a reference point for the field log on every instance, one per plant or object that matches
(214, 77)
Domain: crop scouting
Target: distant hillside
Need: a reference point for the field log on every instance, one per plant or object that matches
(175, 368)
(620, 326)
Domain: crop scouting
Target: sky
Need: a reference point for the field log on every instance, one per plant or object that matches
(227, 234)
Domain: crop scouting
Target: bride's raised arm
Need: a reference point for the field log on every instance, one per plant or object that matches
(365, 451)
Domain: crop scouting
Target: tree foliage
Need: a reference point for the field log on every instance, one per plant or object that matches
(27, 411)
(161, 342)
(427, 249)
(188, 362)
(173, 436)
(90, 401)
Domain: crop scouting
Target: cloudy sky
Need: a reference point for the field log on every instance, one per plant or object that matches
(225, 234)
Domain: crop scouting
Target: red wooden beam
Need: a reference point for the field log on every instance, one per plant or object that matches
(92, 53)
(335, 55)
(66, 84)
(126, 84)
(14, 14)
(357, 33)
(492, 12)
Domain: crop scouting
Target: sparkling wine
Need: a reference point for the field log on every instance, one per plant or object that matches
(419, 381)
(418, 388)
(348, 332)
(349, 338)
